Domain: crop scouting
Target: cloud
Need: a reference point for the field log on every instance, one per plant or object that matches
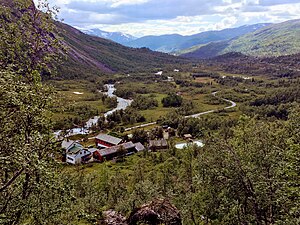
(141, 17)
(147, 10)
(277, 2)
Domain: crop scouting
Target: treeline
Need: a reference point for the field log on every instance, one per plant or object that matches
(197, 127)
(275, 104)
(124, 117)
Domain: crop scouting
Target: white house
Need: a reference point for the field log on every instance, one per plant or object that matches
(67, 144)
(159, 73)
(170, 79)
(77, 154)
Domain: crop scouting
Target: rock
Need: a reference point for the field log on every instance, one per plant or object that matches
(113, 218)
(157, 212)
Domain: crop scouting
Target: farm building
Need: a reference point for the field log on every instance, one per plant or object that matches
(106, 141)
(158, 144)
(115, 151)
(139, 147)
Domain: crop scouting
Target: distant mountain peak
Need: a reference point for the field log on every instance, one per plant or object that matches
(118, 37)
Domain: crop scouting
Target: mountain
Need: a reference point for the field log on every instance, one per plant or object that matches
(118, 37)
(175, 42)
(90, 55)
(163, 43)
(274, 40)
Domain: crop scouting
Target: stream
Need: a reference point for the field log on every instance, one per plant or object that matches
(122, 104)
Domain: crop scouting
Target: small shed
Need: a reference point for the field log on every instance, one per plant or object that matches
(139, 147)
(187, 136)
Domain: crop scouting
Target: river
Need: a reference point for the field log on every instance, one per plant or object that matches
(122, 104)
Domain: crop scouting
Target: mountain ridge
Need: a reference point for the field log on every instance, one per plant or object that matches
(274, 40)
(171, 43)
(93, 55)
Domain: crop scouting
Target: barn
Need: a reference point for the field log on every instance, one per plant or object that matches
(106, 141)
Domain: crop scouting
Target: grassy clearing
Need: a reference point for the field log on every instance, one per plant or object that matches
(75, 96)
(152, 115)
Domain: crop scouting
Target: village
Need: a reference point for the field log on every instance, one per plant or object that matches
(107, 147)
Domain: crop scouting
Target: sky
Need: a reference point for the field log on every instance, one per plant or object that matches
(185, 17)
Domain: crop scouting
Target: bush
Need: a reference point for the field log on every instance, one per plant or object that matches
(172, 100)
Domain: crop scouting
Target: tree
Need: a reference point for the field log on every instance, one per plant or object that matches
(29, 38)
(30, 190)
(122, 152)
(139, 136)
(245, 172)
(172, 100)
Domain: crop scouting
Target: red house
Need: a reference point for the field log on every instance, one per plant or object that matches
(106, 141)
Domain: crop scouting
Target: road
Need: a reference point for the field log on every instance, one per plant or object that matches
(233, 104)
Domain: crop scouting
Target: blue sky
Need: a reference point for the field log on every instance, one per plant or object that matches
(156, 17)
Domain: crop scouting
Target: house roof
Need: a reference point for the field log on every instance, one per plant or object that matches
(109, 139)
(114, 149)
(75, 149)
(158, 143)
(92, 150)
(139, 147)
(66, 144)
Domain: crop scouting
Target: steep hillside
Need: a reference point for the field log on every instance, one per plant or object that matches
(274, 40)
(86, 56)
(175, 42)
(90, 55)
(207, 51)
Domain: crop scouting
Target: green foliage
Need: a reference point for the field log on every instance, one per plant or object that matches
(110, 102)
(29, 41)
(27, 177)
(30, 189)
(274, 40)
(127, 116)
(143, 103)
(172, 100)
(139, 136)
